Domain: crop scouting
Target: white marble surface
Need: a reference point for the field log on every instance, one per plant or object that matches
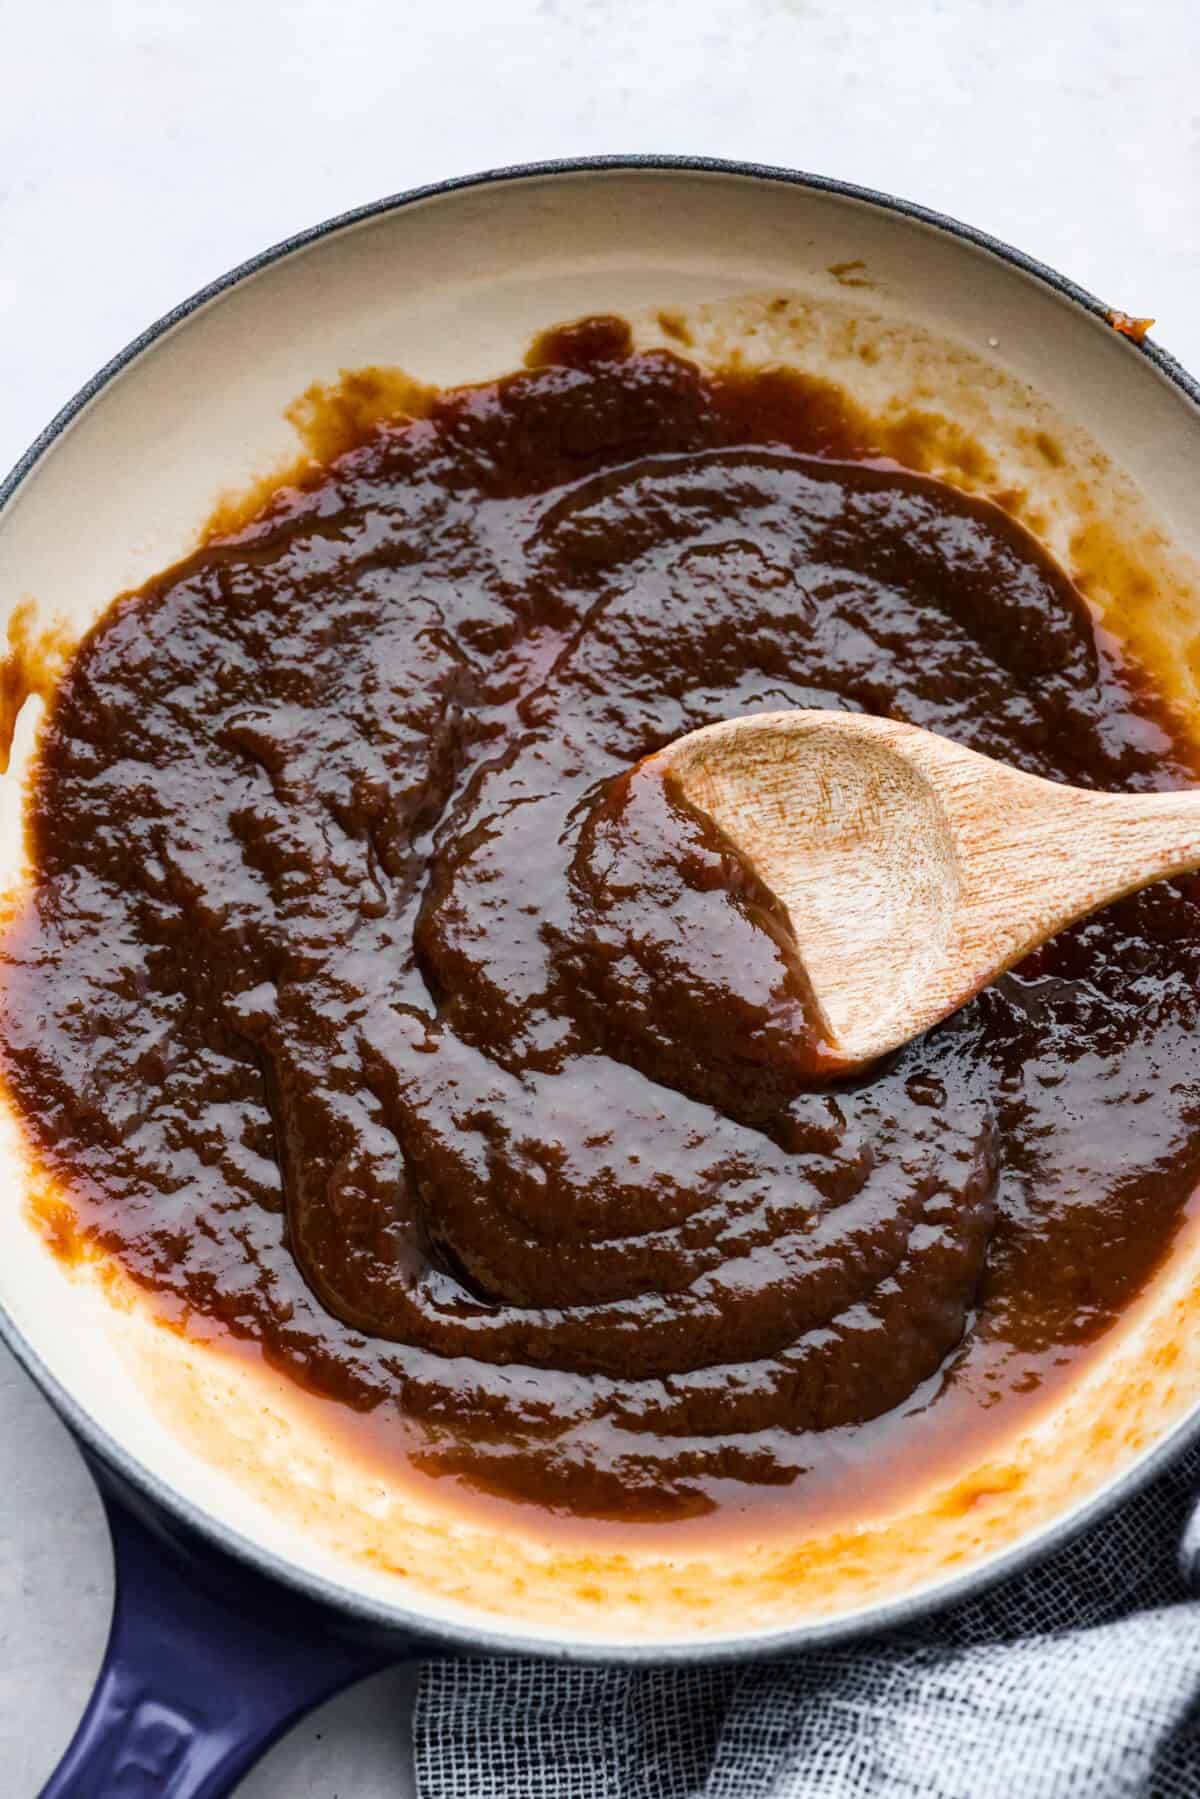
(145, 147)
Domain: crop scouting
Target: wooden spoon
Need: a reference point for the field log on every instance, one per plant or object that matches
(915, 871)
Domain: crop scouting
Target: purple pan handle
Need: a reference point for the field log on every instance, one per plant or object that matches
(207, 1663)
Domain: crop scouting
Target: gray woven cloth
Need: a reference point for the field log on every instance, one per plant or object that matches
(1077, 1680)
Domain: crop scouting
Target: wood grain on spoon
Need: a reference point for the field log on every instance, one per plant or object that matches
(915, 871)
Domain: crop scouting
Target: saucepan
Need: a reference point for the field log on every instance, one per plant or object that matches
(257, 1570)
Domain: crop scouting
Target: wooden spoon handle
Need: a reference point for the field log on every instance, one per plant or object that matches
(1039, 856)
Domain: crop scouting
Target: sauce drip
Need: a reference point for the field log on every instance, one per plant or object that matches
(374, 1002)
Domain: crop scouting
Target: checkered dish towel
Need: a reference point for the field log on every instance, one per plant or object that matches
(1077, 1680)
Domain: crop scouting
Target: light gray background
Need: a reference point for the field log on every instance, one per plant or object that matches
(147, 145)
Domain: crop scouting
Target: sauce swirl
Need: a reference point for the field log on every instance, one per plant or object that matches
(374, 1001)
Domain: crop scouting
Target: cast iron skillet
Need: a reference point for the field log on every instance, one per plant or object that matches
(217, 1643)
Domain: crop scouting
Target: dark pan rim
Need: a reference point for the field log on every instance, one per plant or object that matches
(424, 1633)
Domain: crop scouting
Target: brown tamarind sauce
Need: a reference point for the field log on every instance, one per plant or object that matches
(370, 1002)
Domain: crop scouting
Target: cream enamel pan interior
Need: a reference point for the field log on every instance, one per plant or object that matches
(451, 285)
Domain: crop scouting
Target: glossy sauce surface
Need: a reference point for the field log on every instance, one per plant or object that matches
(376, 1006)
